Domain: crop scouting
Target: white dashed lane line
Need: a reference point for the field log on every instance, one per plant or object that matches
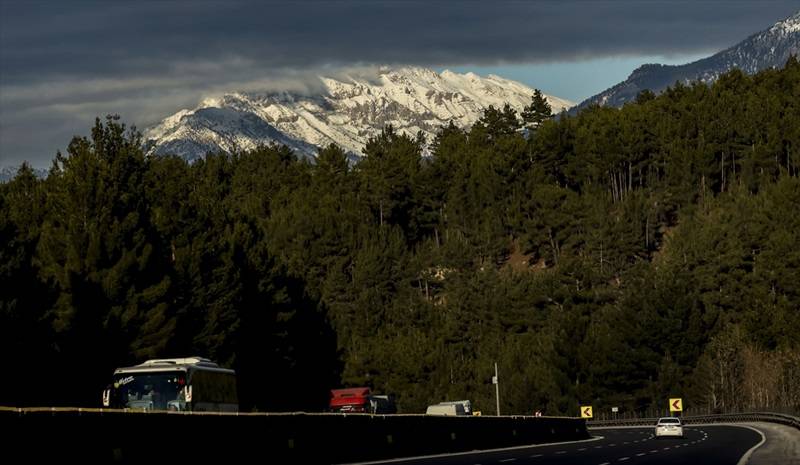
(507, 460)
(641, 454)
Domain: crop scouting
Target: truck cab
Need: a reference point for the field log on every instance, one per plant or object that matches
(351, 400)
(361, 400)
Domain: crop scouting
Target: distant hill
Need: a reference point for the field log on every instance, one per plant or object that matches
(767, 49)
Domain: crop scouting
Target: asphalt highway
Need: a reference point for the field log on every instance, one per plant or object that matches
(701, 445)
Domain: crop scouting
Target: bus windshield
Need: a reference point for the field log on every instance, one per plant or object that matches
(150, 391)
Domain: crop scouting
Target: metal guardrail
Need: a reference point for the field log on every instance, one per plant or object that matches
(22, 411)
(784, 419)
(770, 417)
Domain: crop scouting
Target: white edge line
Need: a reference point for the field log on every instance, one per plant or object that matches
(746, 457)
(470, 452)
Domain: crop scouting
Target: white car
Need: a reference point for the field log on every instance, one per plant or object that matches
(669, 426)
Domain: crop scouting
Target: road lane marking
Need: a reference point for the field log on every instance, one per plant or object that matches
(654, 451)
(581, 449)
(622, 459)
(525, 448)
(561, 452)
(606, 463)
(640, 454)
(536, 456)
(507, 460)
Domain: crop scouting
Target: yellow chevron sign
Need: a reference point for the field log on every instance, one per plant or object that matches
(586, 411)
(676, 405)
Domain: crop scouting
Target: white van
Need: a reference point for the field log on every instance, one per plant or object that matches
(467, 405)
(446, 409)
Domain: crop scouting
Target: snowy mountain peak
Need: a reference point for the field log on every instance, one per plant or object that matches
(348, 111)
(787, 26)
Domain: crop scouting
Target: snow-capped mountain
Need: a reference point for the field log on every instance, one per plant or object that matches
(767, 49)
(347, 112)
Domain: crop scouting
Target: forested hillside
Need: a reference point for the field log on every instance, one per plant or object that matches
(618, 257)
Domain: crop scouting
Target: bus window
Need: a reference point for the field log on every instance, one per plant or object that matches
(148, 391)
(212, 390)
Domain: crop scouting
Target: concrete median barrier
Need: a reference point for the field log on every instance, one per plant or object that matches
(97, 435)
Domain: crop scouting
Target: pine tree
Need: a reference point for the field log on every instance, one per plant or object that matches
(24, 298)
(537, 112)
(103, 259)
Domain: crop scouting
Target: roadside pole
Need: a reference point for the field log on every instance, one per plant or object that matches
(496, 382)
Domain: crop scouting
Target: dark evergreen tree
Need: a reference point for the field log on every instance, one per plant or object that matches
(99, 253)
(24, 299)
(537, 112)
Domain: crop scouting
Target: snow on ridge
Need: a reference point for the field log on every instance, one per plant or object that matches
(347, 113)
(788, 25)
(168, 124)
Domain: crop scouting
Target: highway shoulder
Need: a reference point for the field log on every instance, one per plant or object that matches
(781, 447)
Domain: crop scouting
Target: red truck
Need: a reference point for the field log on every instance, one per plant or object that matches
(360, 400)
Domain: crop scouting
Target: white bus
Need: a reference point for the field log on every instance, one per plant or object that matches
(178, 384)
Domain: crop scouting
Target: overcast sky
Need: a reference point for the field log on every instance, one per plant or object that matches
(64, 62)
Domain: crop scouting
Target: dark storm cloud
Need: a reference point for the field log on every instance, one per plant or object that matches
(42, 39)
(146, 59)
